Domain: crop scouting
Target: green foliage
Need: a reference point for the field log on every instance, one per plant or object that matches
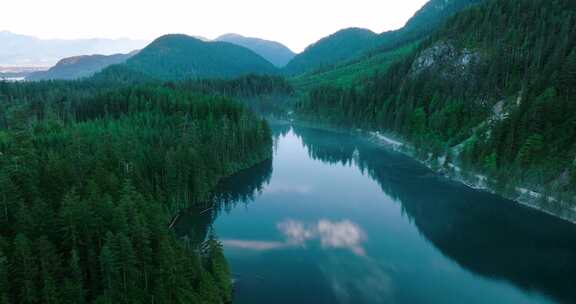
(78, 67)
(497, 79)
(341, 50)
(339, 46)
(91, 172)
(352, 72)
(174, 57)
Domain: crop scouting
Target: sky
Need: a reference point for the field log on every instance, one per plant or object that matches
(295, 23)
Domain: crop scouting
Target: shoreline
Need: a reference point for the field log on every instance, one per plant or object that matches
(523, 195)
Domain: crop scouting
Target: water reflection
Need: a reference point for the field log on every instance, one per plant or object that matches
(488, 235)
(316, 228)
(194, 223)
(358, 280)
(331, 234)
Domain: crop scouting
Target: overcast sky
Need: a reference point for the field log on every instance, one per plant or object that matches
(296, 23)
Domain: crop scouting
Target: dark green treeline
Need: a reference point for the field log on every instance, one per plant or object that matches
(493, 89)
(90, 174)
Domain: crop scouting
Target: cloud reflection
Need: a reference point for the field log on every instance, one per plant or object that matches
(253, 245)
(285, 188)
(343, 234)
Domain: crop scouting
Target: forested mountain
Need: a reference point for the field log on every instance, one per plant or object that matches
(91, 173)
(345, 45)
(173, 57)
(79, 67)
(22, 50)
(339, 46)
(353, 71)
(490, 92)
(425, 21)
(275, 52)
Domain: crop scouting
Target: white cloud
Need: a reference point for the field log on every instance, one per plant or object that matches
(332, 234)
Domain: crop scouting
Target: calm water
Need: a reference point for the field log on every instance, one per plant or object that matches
(336, 219)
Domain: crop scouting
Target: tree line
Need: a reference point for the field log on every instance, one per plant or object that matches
(91, 172)
(497, 97)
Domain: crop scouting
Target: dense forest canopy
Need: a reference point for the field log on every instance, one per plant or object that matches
(89, 178)
(93, 171)
(176, 57)
(354, 44)
(491, 90)
(341, 45)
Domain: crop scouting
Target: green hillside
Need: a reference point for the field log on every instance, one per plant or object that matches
(355, 44)
(90, 178)
(339, 46)
(424, 22)
(173, 57)
(352, 72)
(490, 91)
(79, 67)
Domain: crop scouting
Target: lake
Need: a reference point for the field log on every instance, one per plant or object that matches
(335, 218)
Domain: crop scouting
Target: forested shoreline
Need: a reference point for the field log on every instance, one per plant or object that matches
(490, 92)
(90, 174)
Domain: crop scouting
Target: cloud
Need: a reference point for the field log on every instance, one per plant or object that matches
(253, 245)
(285, 188)
(331, 234)
(344, 234)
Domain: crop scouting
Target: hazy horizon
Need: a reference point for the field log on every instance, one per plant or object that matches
(295, 24)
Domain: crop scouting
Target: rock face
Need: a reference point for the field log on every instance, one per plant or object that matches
(446, 61)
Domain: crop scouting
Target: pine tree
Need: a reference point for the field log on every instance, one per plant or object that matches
(74, 282)
(24, 269)
(4, 282)
(49, 268)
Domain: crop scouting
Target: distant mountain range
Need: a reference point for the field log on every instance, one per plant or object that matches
(275, 52)
(79, 66)
(181, 56)
(22, 50)
(178, 56)
(169, 57)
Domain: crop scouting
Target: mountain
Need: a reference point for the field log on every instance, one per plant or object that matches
(425, 21)
(179, 56)
(79, 67)
(22, 50)
(350, 43)
(488, 98)
(352, 72)
(339, 46)
(275, 52)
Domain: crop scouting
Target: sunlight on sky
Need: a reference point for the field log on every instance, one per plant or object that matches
(296, 23)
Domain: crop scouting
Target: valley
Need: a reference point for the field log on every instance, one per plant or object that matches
(431, 163)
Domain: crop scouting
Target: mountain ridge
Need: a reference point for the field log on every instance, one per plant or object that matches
(179, 56)
(76, 67)
(275, 52)
(25, 50)
(320, 55)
